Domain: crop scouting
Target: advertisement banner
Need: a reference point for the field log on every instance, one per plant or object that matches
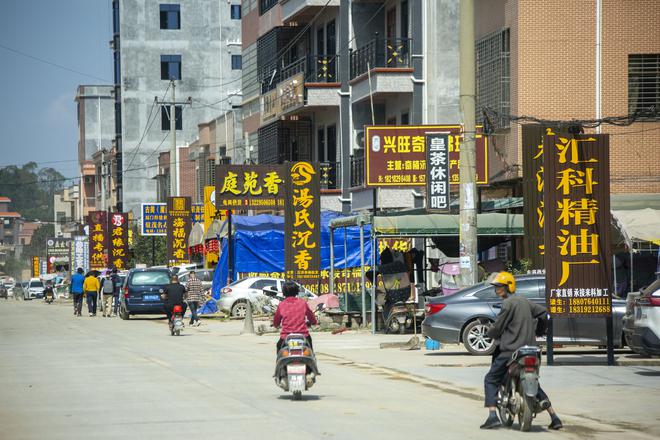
(345, 280)
(302, 223)
(437, 160)
(197, 212)
(396, 155)
(577, 225)
(249, 187)
(154, 219)
(178, 229)
(118, 229)
(98, 240)
(36, 267)
(58, 254)
(80, 253)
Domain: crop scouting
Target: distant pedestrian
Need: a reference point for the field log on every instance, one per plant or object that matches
(108, 291)
(76, 289)
(115, 296)
(91, 287)
(194, 297)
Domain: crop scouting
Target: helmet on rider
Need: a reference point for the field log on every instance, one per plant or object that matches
(290, 289)
(504, 279)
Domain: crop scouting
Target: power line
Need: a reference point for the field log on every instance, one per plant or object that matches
(59, 66)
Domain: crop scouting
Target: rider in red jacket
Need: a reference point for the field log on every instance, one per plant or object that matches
(293, 314)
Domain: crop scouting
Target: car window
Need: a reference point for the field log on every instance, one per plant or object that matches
(528, 288)
(150, 278)
(488, 292)
(36, 284)
(260, 284)
(208, 275)
(183, 278)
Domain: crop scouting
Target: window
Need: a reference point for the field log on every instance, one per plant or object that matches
(263, 283)
(405, 118)
(265, 5)
(493, 75)
(643, 82)
(165, 117)
(235, 12)
(528, 289)
(236, 62)
(170, 67)
(170, 17)
(150, 278)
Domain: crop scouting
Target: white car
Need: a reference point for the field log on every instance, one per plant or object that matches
(234, 297)
(643, 336)
(35, 289)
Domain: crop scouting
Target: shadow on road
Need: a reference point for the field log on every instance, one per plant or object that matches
(302, 399)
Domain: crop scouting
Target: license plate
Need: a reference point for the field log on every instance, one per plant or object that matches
(296, 382)
(151, 297)
(296, 369)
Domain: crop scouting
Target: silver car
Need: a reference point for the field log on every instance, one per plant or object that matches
(465, 316)
(204, 275)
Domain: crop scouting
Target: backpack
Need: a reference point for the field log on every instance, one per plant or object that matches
(108, 286)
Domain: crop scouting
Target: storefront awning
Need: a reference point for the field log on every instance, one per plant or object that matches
(638, 225)
(447, 224)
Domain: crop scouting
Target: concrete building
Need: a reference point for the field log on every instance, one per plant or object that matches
(10, 224)
(66, 206)
(559, 60)
(196, 44)
(400, 66)
(186, 175)
(96, 132)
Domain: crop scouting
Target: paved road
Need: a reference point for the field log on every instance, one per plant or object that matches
(86, 378)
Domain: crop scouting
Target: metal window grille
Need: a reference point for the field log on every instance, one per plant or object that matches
(643, 82)
(265, 5)
(210, 172)
(493, 75)
(285, 141)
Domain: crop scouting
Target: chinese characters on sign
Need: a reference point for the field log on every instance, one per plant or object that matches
(437, 160)
(303, 223)
(80, 253)
(178, 229)
(58, 254)
(397, 155)
(36, 267)
(249, 187)
(576, 225)
(198, 213)
(98, 239)
(118, 228)
(154, 219)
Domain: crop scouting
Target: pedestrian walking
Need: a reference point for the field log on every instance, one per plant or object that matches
(194, 297)
(91, 286)
(76, 289)
(115, 296)
(108, 290)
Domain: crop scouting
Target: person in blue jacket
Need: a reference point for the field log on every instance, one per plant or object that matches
(76, 289)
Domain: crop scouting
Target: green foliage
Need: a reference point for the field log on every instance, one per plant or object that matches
(520, 267)
(31, 190)
(37, 246)
(142, 251)
(14, 267)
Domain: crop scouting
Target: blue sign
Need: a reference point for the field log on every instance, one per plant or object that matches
(154, 219)
(198, 213)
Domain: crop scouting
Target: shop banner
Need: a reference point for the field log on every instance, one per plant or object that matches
(58, 254)
(437, 160)
(98, 240)
(154, 219)
(302, 223)
(249, 187)
(577, 225)
(197, 213)
(396, 155)
(80, 253)
(118, 228)
(178, 229)
(36, 267)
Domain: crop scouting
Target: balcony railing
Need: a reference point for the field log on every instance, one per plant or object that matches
(381, 52)
(330, 172)
(357, 171)
(315, 68)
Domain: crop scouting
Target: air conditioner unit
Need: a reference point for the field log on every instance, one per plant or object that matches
(358, 139)
(88, 179)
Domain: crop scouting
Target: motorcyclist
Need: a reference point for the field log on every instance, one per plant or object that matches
(292, 315)
(48, 290)
(514, 327)
(172, 296)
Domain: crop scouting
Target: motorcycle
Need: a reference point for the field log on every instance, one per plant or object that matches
(176, 323)
(295, 368)
(49, 296)
(517, 397)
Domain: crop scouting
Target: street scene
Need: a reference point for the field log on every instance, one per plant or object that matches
(337, 218)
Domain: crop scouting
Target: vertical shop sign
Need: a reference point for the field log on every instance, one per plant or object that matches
(303, 223)
(437, 162)
(178, 229)
(80, 253)
(98, 239)
(36, 267)
(577, 225)
(58, 254)
(118, 227)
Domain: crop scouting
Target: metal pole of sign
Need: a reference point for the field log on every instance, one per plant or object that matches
(610, 340)
(374, 253)
(614, 271)
(331, 281)
(632, 273)
(153, 250)
(230, 256)
(346, 271)
(549, 344)
(364, 292)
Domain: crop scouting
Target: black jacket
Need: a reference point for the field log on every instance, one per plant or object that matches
(174, 293)
(515, 326)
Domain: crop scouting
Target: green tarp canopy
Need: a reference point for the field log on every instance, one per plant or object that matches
(447, 224)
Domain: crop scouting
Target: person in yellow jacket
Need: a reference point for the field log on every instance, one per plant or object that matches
(91, 287)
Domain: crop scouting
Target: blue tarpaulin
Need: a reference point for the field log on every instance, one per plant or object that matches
(258, 246)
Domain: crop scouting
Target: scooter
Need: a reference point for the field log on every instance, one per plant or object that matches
(295, 368)
(49, 296)
(517, 397)
(176, 323)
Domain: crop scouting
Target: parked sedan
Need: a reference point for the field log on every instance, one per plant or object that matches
(642, 320)
(465, 317)
(234, 297)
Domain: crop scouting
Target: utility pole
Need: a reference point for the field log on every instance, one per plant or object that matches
(103, 207)
(174, 184)
(468, 187)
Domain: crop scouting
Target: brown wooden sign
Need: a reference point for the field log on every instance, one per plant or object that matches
(118, 231)
(302, 223)
(98, 239)
(532, 145)
(249, 187)
(577, 225)
(178, 229)
(396, 155)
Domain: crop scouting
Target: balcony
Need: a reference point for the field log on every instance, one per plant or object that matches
(303, 11)
(386, 53)
(330, 173)
(357, 172)
(315, 69)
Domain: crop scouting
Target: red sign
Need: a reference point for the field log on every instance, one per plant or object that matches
(396, 155)
(118, 255)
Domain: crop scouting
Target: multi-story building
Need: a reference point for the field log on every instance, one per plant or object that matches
(185, 172)
(559, 60)
(66, 204)
(10, 224)
(316, 72)
(96, 132)
(195, 46)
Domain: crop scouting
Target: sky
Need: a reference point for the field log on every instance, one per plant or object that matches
(38, 119)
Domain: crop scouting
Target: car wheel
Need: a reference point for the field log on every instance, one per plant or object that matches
(475, 340)
(239, 309)
(123, 313)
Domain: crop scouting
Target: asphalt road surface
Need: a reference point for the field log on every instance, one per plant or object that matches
(64, 377)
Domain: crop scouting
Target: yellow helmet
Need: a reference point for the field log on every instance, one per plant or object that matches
(504, 279)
